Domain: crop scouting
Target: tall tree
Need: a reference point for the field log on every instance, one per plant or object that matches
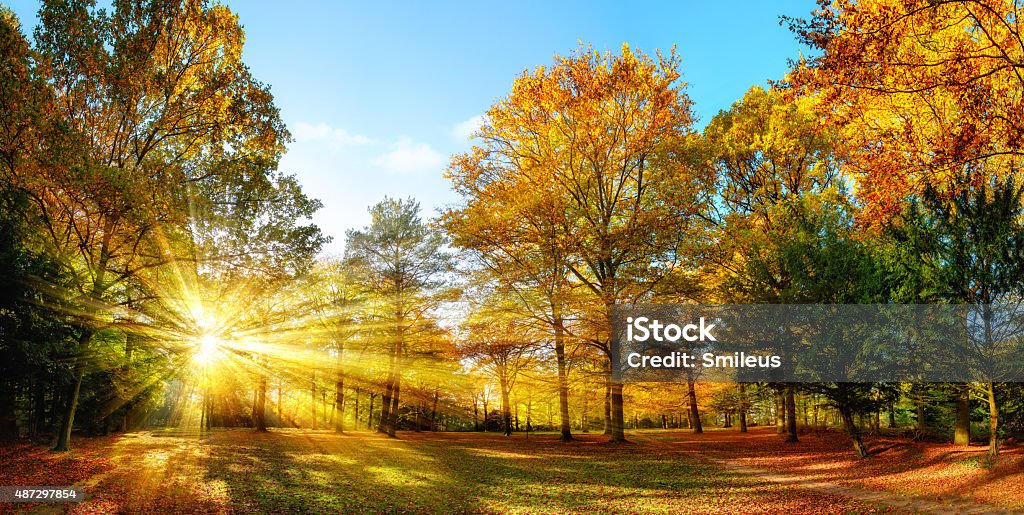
(824, 261)
(335, 300)
(402, 265)
(160, 114)
(767, 151)
(519, 237)
(501, 343)
(926, 93)
(970, 250)
(606, 137)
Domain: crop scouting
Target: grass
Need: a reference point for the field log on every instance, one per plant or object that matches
(294, 471)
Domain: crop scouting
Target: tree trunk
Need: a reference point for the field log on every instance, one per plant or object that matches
(814, 411)
(790, 401)
(355, 410)
(68, 420)
(369, 413)
(486, 415)
(385, 407)
(395, 393)
(260, 409)
(476, 415)
(618, 420)
(962, 432)
(207, 407)
(433, 411)
(563, 380)
(691, 392)
(608, 405)
(312, 398)
(506, 410)
(743, 408)
(852, 431)
(780, 412)
(993, 421)
(339, 404)
(919, 404)
(396, 390)
(585, 419)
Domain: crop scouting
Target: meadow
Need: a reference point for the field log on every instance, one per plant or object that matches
(304, 471)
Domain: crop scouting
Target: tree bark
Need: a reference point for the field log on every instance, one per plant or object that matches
(312, 398)
(608, 405)
(852, 431)
(790, 401)
(433, 411)
(385, 407)
(919, 405)
(506, 410)
(396, 390)
(395, 393)
(339, 404)
(260, 409)
(780, 412)
(68, 421)
(476, 415)
(618, 422)
(962, 432)
(993, 421)
(369, 414)
(563, 380)
(743, 408)
(694, 418)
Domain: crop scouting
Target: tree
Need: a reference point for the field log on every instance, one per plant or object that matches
(606, 137)
(401, 265)
(335, 300)
(501, 343)
(154, 118)
(826, 262)
(970, 250)
(923, 90)
(519, 237)
(767, 152)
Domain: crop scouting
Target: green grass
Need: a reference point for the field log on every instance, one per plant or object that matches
(320, 472)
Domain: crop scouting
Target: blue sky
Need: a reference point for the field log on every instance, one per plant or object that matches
(377, 96)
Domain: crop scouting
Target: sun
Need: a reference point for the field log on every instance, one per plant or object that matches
(207, 349)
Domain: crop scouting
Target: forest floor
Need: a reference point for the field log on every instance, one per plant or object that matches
(921, 476)
(295, 471)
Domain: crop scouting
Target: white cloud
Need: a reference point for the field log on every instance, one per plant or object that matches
(463, 130)
(409, 156)
(334, 136)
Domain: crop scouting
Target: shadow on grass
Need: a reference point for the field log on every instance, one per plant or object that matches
(934, 470)
(311, 472)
